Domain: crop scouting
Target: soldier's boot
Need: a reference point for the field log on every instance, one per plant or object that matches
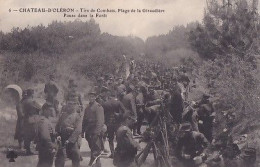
(111, 146)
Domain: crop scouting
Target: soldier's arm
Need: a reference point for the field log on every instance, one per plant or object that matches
(77, 131)
(131, 139)
(45, 137)
(202, 140)
(122, 108)
(100, 120)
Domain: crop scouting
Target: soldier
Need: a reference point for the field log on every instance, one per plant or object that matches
(93, 122)
(73, 94)
(140, 110)
(190, 145)
(206, 116)
(129, 103)
(176, 103)
(46, 141)
(190, 115)
(120, 88)
(51, 90)
(127, 147)
(69, 129)
(113, 110)
(31, 117)
(20, 120)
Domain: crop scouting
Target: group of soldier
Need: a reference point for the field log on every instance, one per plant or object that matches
(118, 107)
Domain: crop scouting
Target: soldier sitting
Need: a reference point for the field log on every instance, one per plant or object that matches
(127, 147)
(190, 145)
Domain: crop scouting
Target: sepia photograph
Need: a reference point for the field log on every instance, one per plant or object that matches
(129, 83)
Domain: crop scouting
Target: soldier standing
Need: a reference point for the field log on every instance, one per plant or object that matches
(113, 110)
(69, 129)
(20, 119)
(31, 117)
(93, 122)
(129, 103)
(73, 94)
(51, 90)
(46, 141)
(206, 116)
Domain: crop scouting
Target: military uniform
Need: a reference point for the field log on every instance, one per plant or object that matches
(206, 116)
(140, 111)
(113, 110)
(69, 127)
(46, 142)
(31, 117)
(126, 148)
(51, 90)
(129, 103)
(189, 146)
(93, 122)
(19, 124)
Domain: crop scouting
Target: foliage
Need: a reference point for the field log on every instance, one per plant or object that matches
(228, 40)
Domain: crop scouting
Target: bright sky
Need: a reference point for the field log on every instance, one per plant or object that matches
(177, 12)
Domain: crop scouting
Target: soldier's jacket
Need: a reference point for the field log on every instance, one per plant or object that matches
(153, 99)
(93, 120)
(129, 103)
(192, 144)
(69, 125)
(140, 102)
(125, 140)
(46, 135)
(121, 88)
(72, 94)
(113, 110)
(30, 109)
(51, 88)
(191, 115)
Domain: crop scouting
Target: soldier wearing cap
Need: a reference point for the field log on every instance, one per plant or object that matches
(72, 94)
(92, 126)
(51, 90)
(190, 144)
(130, 104)
(206, 115)
(69, 128)
(113, 110)
(120, 88)
(46, 141)
(31, 110)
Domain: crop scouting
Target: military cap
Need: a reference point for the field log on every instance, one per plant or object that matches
(186, 126)
(29, 92)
